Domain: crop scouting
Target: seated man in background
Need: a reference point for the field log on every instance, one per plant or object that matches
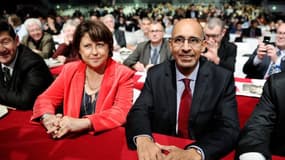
(264, 133)
(166, 104)
(252, 31)
(219, 50)
(37, 40)
(151, 52)
(140, 35)
(118, 35)
(24, 74)
(267, 58)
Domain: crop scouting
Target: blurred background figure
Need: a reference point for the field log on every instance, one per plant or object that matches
(94, 15)
(219, 50)
(118, 35)
(252, 31)
(16, 22)
(151, 52)
(140, 35)
(65, 51)
(268, 58)
(40, 42)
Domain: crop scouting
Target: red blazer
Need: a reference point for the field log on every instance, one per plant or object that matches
(114, 99)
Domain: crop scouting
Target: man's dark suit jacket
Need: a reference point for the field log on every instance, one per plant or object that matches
(142, 53)
(213, 120)
(246, 32)
(259, 71)
(265, 130)
(31, 76)
(120, 38)
(227, 54)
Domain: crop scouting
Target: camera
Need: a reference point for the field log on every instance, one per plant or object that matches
(266, 41)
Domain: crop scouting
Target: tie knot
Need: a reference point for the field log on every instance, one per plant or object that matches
(278, 53)
(6, 70)
(186, 82)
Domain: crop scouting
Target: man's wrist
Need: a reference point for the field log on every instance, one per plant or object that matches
(198, 150)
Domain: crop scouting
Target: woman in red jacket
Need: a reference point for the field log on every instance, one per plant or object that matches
(96, 92)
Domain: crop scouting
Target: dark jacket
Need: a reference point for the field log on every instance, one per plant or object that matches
(213, 119)
(265, 130)
(30, 77)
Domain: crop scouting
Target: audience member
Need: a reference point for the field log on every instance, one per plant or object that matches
(65, 51)
(264, 133)
(96, 92)
(118, 35)
(24, 74)
(219, 50)
(164, 103)
(267, 59)
(37, 40)
(140, 35)
(253, 31)
(16, 22)
(151, 52)
(51, 26)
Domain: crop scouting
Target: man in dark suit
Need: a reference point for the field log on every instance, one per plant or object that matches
(267, 59)
(164, 105)
(264, 133)
(219, 50)
(252, 31)
(151, 52)
(24, 74)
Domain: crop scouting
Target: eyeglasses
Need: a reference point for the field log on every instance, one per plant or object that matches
(192, 41)
(212, 35)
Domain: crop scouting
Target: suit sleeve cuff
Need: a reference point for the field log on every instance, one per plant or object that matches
(141, 135)
(198, 149)
(251, 155)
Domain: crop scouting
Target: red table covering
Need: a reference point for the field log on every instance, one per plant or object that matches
(21, 140)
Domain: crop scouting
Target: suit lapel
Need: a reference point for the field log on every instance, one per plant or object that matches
(77, 89)
(163, 51)
(147, 53)
(200, 89)
(106, 85)
(170, 78)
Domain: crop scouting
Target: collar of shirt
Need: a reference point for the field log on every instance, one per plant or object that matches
(155, 47)
(12, 64)
(192, 77)
(281, 57)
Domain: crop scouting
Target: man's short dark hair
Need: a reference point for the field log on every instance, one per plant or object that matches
(6, 27)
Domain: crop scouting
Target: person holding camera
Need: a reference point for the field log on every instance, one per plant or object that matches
(267, 59)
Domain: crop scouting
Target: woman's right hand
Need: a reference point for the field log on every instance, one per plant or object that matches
(51, 123)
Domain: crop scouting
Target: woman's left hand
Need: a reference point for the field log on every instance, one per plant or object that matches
(69, 124)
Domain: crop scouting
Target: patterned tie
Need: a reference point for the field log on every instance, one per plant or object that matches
(184, 110)
(274, 68)
(154, 56)
(7, 75)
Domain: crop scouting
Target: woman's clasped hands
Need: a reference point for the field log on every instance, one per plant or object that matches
(58, 125)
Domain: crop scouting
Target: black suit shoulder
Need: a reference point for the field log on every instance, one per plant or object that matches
(227, 53)
(265, 130)
(31, 76)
